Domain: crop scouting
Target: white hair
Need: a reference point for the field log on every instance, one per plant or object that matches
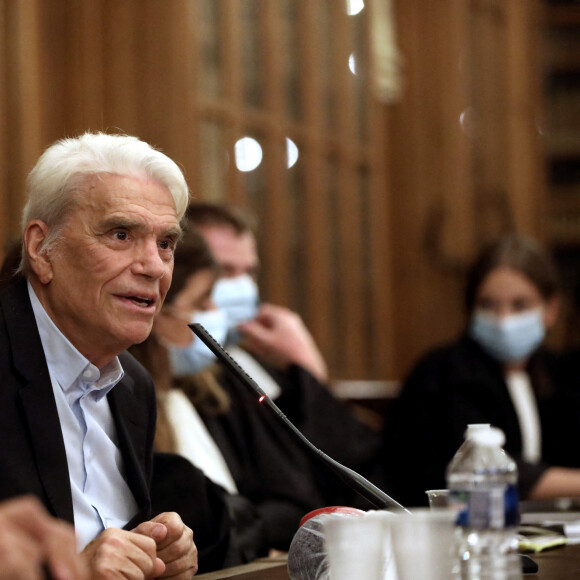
(53, 184)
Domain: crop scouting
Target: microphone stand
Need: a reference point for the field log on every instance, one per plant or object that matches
(353, 479)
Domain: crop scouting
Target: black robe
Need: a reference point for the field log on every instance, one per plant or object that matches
(178, 486)
(274, 471)
(459, 384)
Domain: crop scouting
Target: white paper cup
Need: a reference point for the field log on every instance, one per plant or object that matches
(359, 547)
(423, 543)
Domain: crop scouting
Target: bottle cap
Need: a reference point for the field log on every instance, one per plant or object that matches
(492, 437)
(475, 427)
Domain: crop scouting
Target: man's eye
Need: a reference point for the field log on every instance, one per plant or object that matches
(121, 235)
(166, 245)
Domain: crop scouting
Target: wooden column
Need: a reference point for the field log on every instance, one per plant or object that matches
(21, 106)
(315, 195)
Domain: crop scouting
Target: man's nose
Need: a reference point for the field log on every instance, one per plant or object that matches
(148, 261)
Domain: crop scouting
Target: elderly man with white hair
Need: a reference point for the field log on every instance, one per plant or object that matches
(77, 413)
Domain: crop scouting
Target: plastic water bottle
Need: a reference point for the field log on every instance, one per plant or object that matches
(482, 482)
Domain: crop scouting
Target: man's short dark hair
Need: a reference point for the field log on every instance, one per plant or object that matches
(202, 214)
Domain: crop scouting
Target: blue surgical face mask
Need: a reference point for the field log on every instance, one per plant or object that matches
(239, 298)
(509, 339)
(196, 356)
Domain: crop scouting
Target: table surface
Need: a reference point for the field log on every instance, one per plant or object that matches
(562, 563)
(261, 569)
(557, 564)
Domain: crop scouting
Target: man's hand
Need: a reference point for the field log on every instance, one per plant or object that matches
(31, 538)
(117, 553)
(175, 548)
(278, 336)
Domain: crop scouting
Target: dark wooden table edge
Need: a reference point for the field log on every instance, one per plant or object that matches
(266, 568)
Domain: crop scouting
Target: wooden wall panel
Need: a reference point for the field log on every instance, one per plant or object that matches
(22, 106)
(316, 217)
(231, 33)
(373, 299)
(526, 173)
(164, 69)
(125, 70)
(454, 158)
(424, 311)
(84, 74)
(24, 64)
(278, 223)
(350, 252)
(457, 185)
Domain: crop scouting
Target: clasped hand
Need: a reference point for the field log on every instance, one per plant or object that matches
(159, 548)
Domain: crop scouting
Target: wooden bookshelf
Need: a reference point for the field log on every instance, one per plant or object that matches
(561, 122)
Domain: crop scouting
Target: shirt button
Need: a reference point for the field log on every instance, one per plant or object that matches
(87, 374)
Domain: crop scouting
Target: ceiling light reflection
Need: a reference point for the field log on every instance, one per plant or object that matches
(291, 152)
(352, 63)
(248, 154)
(354, 6)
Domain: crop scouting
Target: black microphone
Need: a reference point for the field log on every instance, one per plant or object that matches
(353, 479)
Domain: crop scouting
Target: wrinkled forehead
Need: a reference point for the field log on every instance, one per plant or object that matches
(124, 199)
(112, 188)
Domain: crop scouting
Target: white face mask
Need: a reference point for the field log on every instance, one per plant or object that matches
(512, 338)
(239, 298)
(196, 357)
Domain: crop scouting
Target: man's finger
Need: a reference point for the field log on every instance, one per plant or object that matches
(154, 530)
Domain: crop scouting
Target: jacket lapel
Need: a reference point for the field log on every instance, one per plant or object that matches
(38, 399)
(131, 432)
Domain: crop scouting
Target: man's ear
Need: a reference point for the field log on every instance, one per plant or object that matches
(35, 235)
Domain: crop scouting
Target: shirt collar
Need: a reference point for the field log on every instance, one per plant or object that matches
(68, 366)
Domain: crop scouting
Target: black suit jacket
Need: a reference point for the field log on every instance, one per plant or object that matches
(32, 452)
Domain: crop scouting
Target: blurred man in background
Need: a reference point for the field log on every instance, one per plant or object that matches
(273, 334)
(275, 348)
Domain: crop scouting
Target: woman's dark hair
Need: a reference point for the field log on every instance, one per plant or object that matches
(524, 255)
(191, 255)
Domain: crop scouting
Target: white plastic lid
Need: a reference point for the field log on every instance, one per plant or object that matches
(492, 437)
(475, 427)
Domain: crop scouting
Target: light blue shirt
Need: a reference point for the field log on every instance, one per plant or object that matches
(101, 496)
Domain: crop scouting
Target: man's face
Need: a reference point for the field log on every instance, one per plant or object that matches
(111, 268)
(235, 253)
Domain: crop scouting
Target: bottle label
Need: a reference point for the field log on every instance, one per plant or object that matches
(485, 507)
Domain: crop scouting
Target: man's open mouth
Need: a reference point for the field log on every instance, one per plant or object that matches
(141, 301)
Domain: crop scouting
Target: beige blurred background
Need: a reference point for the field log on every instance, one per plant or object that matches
(380, 143)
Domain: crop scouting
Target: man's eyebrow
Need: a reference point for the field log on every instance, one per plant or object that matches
(174, 232)
(113, 223)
